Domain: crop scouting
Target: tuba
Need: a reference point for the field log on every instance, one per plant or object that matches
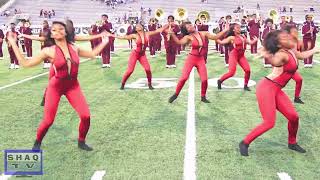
(273, 14)
(159, 14)
(203, 15)
(180, 14)
(122, 30)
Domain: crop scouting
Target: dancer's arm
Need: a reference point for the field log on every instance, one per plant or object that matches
(93, 53)
(35, 38)
(255, 39)
(227, 40)
(126, 37)
(306, 54)
(90, 37)
(150, 33)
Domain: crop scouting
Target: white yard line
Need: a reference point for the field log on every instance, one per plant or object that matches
(316, 61)
(98, 175)
(4, 177)
(284, 176)
(30, 78)
(189, 170)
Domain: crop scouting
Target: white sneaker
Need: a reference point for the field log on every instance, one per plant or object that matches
(173, 66)
(310, 65)
(1, 58)
(108, 66)
(112, 52)
(11, 66)
(16, 66)
(28, 58)
(168, 66)
(221, 55)
(226, 65)
(178, 55)
(98, 57)
(306, 65)
(153, 56)
(104, 65)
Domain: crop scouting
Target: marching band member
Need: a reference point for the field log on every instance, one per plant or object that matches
(43, 33)
(106, 26)
(309, 32)
(283, 23)
(130, 30)
(13, 58)
(1, 42)
(152, 39)
(221, 47)
(268, 28)
(227, 47)
(170, 45)
(94, 31)
(28, 42)
(254, 26)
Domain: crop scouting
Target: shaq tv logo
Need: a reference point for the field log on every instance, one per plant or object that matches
(23, 162)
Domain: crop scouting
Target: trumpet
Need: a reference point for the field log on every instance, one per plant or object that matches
(273, 14)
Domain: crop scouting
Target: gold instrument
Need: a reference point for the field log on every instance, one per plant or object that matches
(159, 14)
(203, 16)
(99, 23)
(180, 14)
(273, 14)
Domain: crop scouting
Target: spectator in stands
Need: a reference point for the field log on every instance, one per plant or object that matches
(41, 12)
(312, 9)
(53, 12)
(258, 6)
(284, 9)
(149, 10)
(291, 8)
(292, 23)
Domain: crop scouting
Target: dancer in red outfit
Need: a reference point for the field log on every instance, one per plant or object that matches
(139, 54)
(195, 57)
(293, 31)
(236, 56)
(279, 48)
(64, 57)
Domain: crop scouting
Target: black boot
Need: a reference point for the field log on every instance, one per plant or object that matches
(36, 145)
(122, 87)
(204, 99)
(297, 148)
(172, 98)
(151, 87)
(243, 149)
(246, 88)
(82, 145)
(298, 100)
(219, 84)
(43, 101)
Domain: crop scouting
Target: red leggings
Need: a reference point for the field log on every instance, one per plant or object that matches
(134, 57)
(298, 79)
(199, 63)
(71, 89)
(271, 98)
(234, 58)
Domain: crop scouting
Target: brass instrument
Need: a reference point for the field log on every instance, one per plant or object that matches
(180, 14)
(159, 14)
(203, 16)
(122, 30)
(273, 14)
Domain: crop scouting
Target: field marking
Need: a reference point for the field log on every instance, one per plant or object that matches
(284, 176)
(4, 177)
(30, 78)
(98, 175)
(316, 61)
(189, 171)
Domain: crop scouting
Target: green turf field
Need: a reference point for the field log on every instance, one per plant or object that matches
(137, 134)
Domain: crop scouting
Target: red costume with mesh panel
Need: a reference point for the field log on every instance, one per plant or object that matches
(64, 82)
(196, 58)
(271, 98)
(138, 54)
